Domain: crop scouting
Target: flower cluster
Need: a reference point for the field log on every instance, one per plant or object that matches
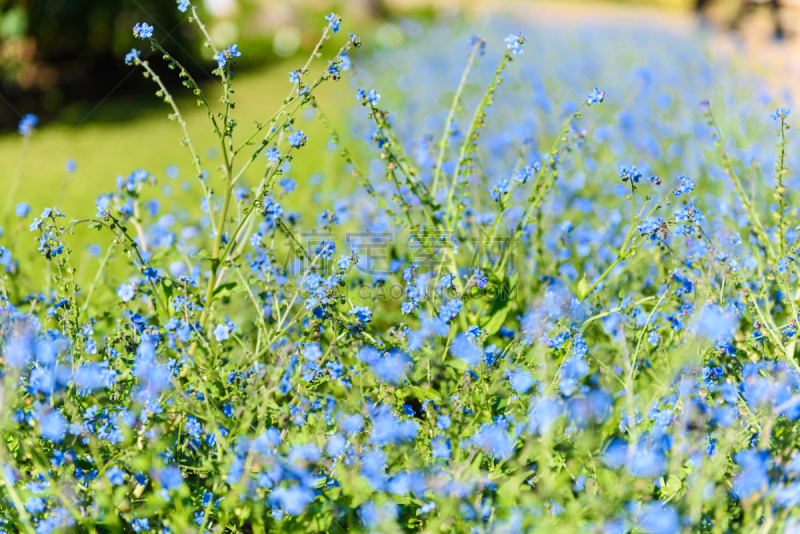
(564, 352)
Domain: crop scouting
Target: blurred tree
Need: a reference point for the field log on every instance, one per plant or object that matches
(57, 51)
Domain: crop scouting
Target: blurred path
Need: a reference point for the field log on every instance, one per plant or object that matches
(753, 43)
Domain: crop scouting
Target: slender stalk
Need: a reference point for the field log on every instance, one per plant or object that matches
(445, 140)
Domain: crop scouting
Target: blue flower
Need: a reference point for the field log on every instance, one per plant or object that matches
(781, 113)
(125, 292)
(526, 173)
(658, 518)
(388, 429)
(222, 332)
(647, 462)
(686, 186)
(132, 56)
(373, 97)
(515, 42)
(273, 154)
(140, 524)
(502, 187)
(22, 209)
(170, 477)
(388, 367)
(53, 426)
(495, 440)
(183, 5)
(221, 59)
(653, 338)
(441, 448)
(333, 68)
(480, 278)
(521, 381)
(90, 346)
(443, 422)
(480, 42)
(35, 505)
(630, 172)
(408, 306)
(362, 313)
(352, 424)
(464, 349)
(298, 139)
(334, 22)
(754, 476)
(292, 500)
(116, 476)
(233, 51)
(142, 30)
(596, 96)
(27, 124)
(651, 227)
(294, 76)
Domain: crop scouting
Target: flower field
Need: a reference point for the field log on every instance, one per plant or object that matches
(519, 281)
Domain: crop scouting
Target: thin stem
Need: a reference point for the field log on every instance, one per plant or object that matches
(444, 142)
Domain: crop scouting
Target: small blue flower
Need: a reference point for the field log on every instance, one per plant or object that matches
(653, 338)
(27, 124)
(142, 30)
(298, 139)
(781, 113)
(233, 51)
(362, 313)
(480, 42)
(373, 97)
(480, 278)
(53, 426)
(125, 292)
(140, 524)
(183, 5)
(526, 173)
(22, 209)
(515, 42)
(408, 306)
(222, 332)
(596, 96)
(335, 21)
(294, 76)
(687, 185)
(221, 59)
(630, 172)
(116, 476)
(273, 154)
(132, 56)
(35, 505)
(521, 381)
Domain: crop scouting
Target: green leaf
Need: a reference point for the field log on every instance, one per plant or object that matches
(202, 255)
(491, 321)
(511, 488)
(583, 288)
(423, 392)
(224, 290)
(495, 318)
